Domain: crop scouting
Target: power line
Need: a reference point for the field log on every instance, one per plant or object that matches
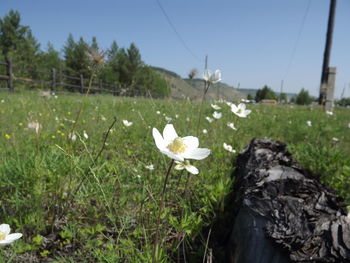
(177, 32)
(298, 38)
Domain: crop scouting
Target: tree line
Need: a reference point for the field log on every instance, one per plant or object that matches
(302, 98)
(115, 66)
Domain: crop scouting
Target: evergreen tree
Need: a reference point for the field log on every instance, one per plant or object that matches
(265, 93)
(94, 43)
(303, 97)
(11, 33)
(18, 44)
(76, 61)
(133, 62)
(113, 52)
(110, 72)
(148, 82)
(50, 60)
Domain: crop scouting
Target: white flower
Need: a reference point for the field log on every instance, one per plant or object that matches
(349, 125)
(103, 118)
(176, 116)
(217, 115)
(127, 123)
(187, 119)
(158, 112)
(2, 101)
(5, 236)
(168, 119)
(85, 135)
(309, 123)
(186, 165)
(231, 125)
(72, 136)
(149, 167)
(229, 148)
(329, 112)
(210, 120)
(34, 125)
(229, 103)
(335, 139)
(208, 76)
(178, 148)
(215, 107)
(205, 131)
(240, 110)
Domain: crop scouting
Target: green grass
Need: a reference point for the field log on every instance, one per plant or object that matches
(72, 209)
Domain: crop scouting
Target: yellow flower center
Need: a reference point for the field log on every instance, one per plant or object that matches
(177, 146)
(3, 235)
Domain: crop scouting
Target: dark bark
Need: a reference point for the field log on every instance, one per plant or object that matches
(284, 213)
(279, 212)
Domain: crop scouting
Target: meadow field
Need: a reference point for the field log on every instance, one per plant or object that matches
(96, 198)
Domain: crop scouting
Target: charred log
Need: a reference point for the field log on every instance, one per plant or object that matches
(279, 212)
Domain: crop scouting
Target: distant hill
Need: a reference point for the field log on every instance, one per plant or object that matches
(193, 88)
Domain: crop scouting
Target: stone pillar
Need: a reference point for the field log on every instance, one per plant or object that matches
(330, 88)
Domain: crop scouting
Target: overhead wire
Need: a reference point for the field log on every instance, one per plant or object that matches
(297, 39)
(181, 39)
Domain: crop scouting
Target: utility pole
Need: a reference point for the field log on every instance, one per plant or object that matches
(206, 62)
(280, 97)
(327, 53)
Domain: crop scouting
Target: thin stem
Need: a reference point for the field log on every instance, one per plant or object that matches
(83, 103)
(105, 139)
(166, 178)
(206, 88)
(186, 185)
(161, 206)
(97, 156)
(206, 246)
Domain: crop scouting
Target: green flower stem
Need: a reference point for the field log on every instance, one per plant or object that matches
(161, 206)
(206, 88)
(83, 103)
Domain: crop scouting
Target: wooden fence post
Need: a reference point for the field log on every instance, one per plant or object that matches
(115, 89)
(53, 80)
(81, 83)
(10, 75)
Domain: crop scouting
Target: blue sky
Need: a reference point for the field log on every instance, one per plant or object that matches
(251, 41)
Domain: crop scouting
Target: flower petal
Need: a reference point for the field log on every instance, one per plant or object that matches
(179, 166)
(241, 106)
(207, 75)
(13, 236)
(191, 142)
(5, 229)
(169, 133)
(191, 169)
(158, 139)
(234, 108)
(196, 154)
(173, 156)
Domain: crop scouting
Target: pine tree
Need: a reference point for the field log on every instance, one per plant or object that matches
(18, 44)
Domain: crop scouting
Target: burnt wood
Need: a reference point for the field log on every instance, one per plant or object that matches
(282, 212)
